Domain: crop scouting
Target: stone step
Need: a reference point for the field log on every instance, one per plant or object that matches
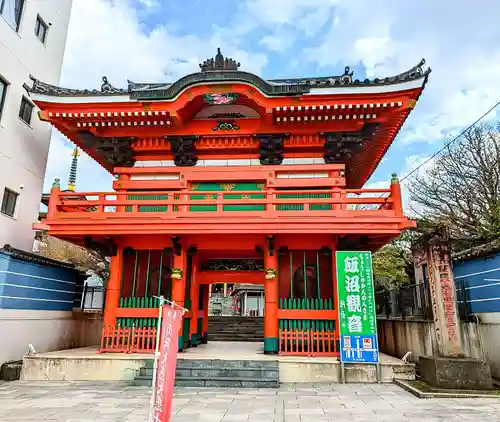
(218, 373)
(220, 363)
(236, 329)
(227, 382)
(239, 340)
(249, 329)
(243, 331)
(233, 329)
(212, 382)
(235, 334)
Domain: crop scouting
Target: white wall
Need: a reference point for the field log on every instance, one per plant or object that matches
(24, 149)
(480, 341)
(46, 330)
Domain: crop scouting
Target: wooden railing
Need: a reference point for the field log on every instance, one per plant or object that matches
(309, 343)
(128, 340)
(266, 203)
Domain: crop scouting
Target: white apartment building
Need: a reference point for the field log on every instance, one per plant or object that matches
(32, 41)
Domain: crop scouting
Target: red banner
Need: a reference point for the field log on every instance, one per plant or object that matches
(165, 375)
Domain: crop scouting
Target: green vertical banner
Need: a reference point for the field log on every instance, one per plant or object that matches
(357, 316)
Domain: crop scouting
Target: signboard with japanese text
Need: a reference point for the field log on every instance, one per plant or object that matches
(167, 360)
(356, 300)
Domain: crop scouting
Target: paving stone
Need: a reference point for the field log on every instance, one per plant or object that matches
(115, 402)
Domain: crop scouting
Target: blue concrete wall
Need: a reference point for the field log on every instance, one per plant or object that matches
(482, 282)
(32, 286)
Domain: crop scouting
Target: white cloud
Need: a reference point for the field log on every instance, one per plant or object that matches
(149, 4)
(306, 14)
(91, 177)
(279, 41)
(415, 166)
(395, 35)
(109, 38)
(459, 39)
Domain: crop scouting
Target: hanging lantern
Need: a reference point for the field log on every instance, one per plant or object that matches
(176, 274)
(270, 274)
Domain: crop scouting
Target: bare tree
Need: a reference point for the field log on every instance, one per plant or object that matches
(462, 189)
(83, 259)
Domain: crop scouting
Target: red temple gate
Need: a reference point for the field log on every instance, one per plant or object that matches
(225, 165)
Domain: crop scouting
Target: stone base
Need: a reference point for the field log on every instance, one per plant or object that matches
(87, 365)
(11, 371)
(456, 373)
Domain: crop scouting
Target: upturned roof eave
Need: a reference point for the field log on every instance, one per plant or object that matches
(273, 87)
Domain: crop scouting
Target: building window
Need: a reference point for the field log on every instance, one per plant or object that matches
(41, 29)
(9, 202)
(3, 93)
(26, 110)
(12, 11)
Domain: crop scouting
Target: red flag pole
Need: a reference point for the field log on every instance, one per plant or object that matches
(155, 359)
(165, 361)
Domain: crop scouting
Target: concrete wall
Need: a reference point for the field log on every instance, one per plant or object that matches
(87, 329)
(46, 330)
(397, 337)
(24, 148)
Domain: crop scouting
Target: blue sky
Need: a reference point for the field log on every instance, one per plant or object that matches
(162, 40)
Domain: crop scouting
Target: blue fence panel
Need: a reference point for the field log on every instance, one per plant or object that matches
(25, 284)
(481, 278)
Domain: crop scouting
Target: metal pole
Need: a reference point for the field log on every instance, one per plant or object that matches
(155, 360)
(84, 296)
(147, 274)
(135, 272)
(161, 269)
(305, 277)
(317, 275)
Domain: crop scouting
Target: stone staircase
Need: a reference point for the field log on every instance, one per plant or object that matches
(223, 303)
(235, 328)
(218, 373)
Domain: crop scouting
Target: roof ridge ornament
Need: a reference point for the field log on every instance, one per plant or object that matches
(107, 87)
(415, 72)
(219, 63)
(44, 88)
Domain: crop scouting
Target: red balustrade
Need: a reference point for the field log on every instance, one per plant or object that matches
(128, 340)
(177, 204)
(308, 343)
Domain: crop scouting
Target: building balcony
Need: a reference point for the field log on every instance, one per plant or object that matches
(309, 210)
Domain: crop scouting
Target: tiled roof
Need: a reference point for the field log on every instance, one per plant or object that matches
(32, 257)
(223, 69)
(478, 251)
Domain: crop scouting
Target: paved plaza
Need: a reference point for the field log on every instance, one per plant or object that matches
(65, 401)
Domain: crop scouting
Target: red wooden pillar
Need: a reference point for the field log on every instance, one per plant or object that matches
(120, 192)
(195, 296)
(206, 298)
(179, 287)
(271, 335)
(113, 288)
